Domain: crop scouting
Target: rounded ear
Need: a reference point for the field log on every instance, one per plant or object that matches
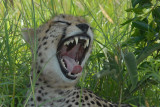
(28, 35)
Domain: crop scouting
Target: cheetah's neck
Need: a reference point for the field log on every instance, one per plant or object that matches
(49, 94)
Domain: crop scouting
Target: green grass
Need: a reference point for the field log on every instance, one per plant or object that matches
(106, 73)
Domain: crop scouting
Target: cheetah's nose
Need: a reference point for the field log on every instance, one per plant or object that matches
(83, 27)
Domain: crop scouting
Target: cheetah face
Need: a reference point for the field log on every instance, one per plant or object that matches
(68, 40)
(74, 47)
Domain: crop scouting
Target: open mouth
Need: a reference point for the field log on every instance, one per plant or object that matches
(70, 54)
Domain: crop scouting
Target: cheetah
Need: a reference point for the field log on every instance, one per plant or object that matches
(63, 46)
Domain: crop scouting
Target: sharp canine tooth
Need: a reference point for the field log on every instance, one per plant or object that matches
(76, 40)
(87, 42)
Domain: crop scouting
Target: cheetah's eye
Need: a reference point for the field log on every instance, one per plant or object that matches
(63, 22)
(71, 53)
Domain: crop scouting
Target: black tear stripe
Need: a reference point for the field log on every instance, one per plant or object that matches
(63, 35)
(64, 32)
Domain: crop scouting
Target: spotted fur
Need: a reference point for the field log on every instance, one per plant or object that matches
(53, 88)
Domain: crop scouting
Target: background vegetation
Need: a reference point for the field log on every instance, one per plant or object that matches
(124, 65)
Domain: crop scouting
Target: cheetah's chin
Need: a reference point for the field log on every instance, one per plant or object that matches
(71, 53)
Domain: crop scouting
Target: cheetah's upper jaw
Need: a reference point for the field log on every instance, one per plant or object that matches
(71, 53)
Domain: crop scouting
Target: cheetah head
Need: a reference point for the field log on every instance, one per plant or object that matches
(63, 46)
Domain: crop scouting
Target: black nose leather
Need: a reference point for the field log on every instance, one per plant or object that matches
(83, 27)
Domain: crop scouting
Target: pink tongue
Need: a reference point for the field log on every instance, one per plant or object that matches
(72, 66)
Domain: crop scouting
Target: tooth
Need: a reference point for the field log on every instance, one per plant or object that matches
(76, 40)
(68, 42)
(87, 42)
(62, 61)
(65, 43)
(85, 45)
(72, 41)
(69, 73)
(63, 64)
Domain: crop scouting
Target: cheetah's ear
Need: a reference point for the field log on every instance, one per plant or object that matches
(28, 35)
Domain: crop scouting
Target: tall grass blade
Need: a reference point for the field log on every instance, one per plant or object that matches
(131, 65)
